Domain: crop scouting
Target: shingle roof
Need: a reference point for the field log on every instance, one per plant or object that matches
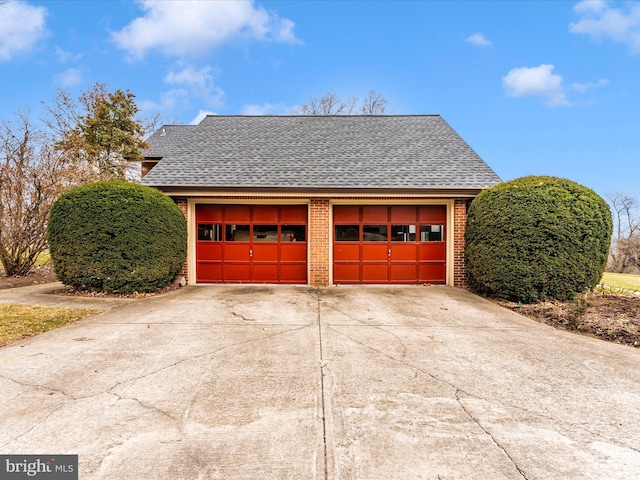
(164, 139)
(316, 152)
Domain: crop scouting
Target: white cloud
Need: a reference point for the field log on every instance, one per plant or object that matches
(190, 85)
(69, 78)
(169, 101)
(200, 116)
(583, 87)
(66, 57)
(479, 39)
(266, 109)
(190, 75)
(199, 83)
(588, 6)
(602, 22)
(22, 26)
(179, 28)
(536, 81)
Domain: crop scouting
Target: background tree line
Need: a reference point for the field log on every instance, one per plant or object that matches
(624, 256)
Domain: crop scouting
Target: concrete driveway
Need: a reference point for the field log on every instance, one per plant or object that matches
(342, 383)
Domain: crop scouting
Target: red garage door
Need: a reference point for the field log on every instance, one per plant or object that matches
(251, 244)
(389, 244)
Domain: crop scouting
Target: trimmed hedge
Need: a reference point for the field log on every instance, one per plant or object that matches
(537, 238)
(117, 236)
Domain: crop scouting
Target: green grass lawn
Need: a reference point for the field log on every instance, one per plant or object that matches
(621, 280)
(22, 321)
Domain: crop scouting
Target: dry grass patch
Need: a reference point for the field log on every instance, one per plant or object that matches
(23, 321)
(621, 280)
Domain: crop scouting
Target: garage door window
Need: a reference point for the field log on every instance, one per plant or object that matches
(347, 233)
(403, 233)
(236, 233)
(374, 233)
(293, 233)
(265, 233)
(210, 232)
(432, 233)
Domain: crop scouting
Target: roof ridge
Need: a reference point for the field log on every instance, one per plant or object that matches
(236, 115)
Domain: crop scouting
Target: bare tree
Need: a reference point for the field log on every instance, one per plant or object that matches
(330, 104)
(32, 176)
(624, 254)
(373, 104)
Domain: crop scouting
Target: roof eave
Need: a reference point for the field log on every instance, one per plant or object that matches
(467, 191)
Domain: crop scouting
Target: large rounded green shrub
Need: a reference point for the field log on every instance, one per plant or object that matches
(117, 236)
(537, 238)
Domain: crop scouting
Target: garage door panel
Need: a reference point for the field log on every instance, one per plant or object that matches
(209, 251)
(432, 214)
(265, 214)
(209, 213)
(404, 252)
(293, 252)
(347, 252)
(265, 253)
(293, 273)
(346, 272)
(237, 251)
(375, 213)
(433, 251)
(293, 214)
(237, 214)
(433, 272)
(346, 214)
(375, 272)
(378, 251)
(209, 271)
(236, 272)
(264, 273)
(403, 272)
(403, 213)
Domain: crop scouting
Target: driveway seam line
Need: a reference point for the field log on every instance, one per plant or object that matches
(322, 393)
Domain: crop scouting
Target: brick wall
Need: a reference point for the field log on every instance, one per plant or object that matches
(459, 226)
(319, 231)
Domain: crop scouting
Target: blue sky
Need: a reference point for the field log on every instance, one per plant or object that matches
(535, 87)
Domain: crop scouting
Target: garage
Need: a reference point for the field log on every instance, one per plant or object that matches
(389, 244)
(251, 243)
(319, 200)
